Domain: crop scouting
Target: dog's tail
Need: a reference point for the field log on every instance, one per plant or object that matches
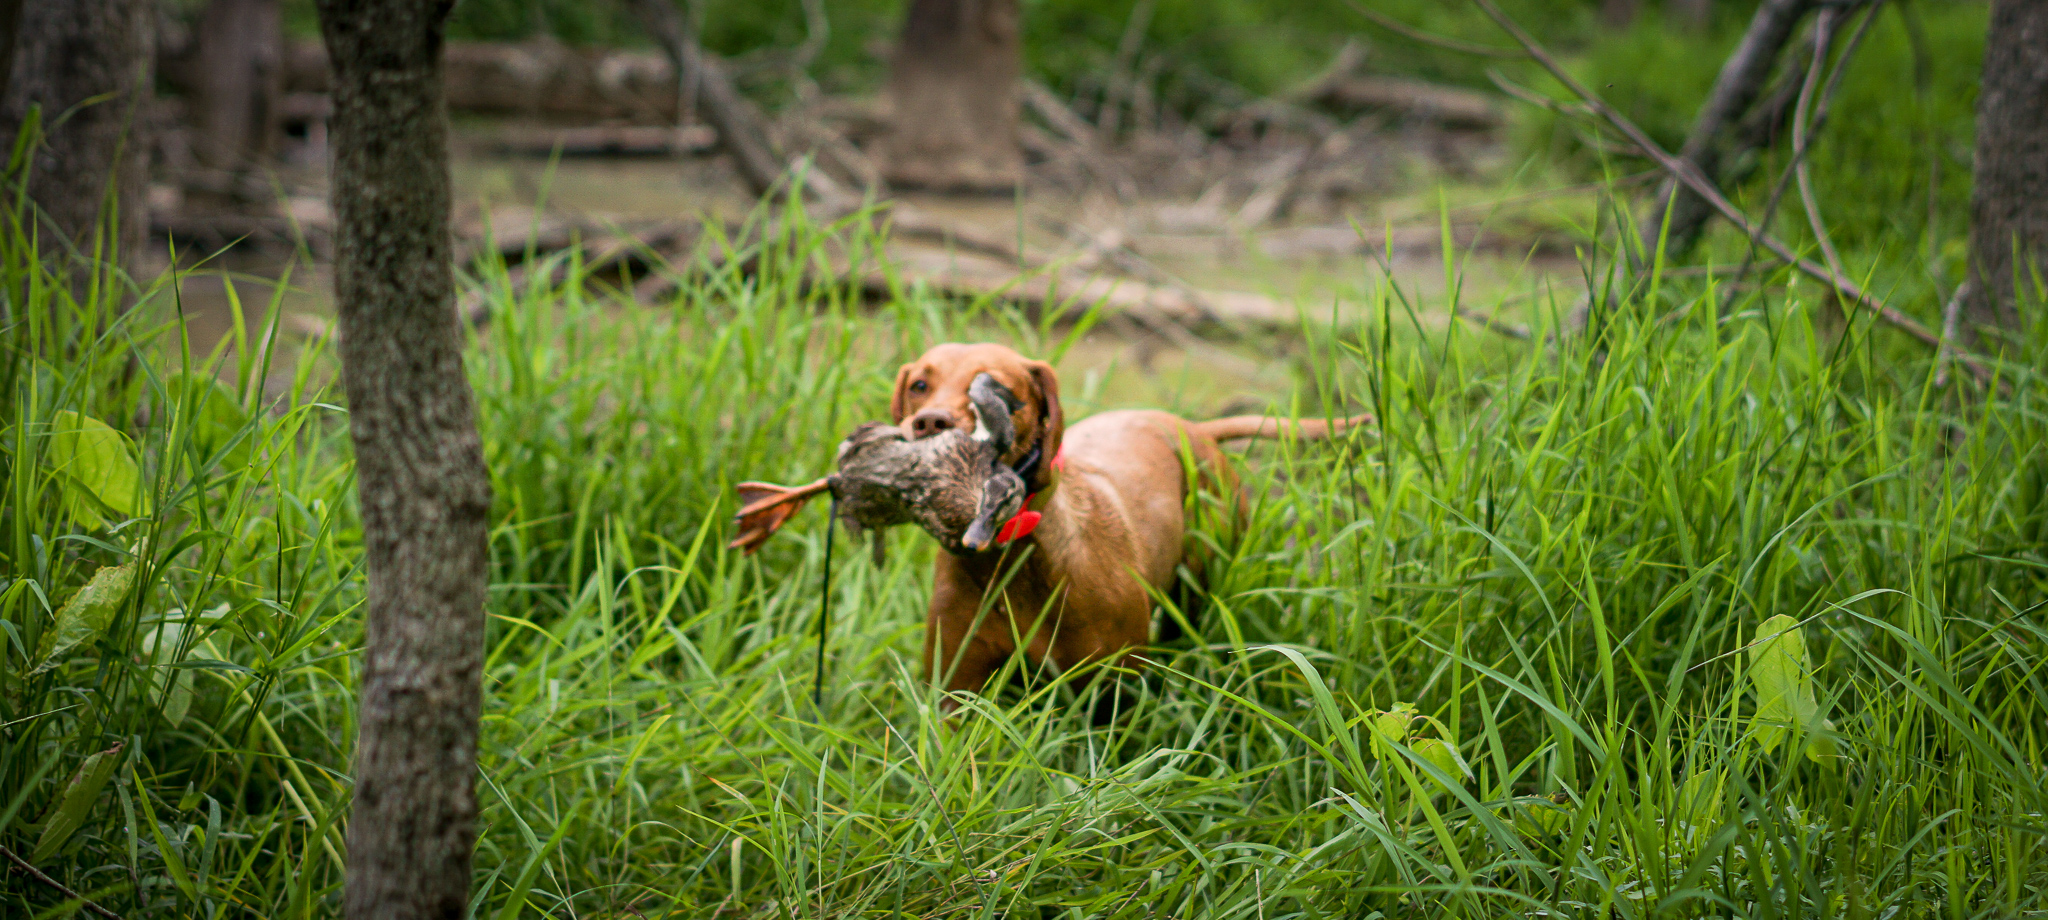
(1240, 427)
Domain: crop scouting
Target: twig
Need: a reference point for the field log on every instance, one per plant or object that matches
(1778, 188)
(37, 874)
(1040, 99)
(1266, 200)
(1081, 135)
(1533, 97)
(1802, 136)
(1802, 127)
(816, 30)
(1923, 80)
(1120, 78)
(1131, 261)
(905, 221)
(1687, 173)
(1735, 91)
(1405, 30)
(1951, 325)
(1342, 64)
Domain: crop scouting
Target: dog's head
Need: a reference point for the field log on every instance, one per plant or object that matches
(932, 397)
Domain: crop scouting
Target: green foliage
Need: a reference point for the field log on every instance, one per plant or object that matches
(96, 464)
(1498, 658)
(76, 801)
(86, 616)
(1783, 677)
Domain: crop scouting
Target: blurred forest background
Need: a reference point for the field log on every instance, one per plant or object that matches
(1214, 163)
(1694, 566)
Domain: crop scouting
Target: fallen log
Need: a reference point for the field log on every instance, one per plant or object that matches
(626, 252)
(218, 231)
(1449, 106)
(952, 276)
(535, 78)
(1347, 240)
(605, 140)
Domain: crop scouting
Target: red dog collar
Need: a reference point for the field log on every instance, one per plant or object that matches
(1024, 522)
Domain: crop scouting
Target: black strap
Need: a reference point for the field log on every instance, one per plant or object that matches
(824, 612)
(1027, 467)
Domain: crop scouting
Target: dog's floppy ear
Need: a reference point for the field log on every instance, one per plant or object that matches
(765, 507)
(899, 399)
(1052, 422)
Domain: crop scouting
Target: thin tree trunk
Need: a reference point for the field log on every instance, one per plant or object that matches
(66, 52)
(2009, 203)
(419, 464)
(1708, 145)
(953, 97)
(241, 78)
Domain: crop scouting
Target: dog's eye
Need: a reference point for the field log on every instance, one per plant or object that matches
(919, 386)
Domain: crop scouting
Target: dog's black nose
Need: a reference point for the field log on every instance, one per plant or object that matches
(931, 422)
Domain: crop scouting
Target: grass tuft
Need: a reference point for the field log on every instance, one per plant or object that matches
(1500, 657)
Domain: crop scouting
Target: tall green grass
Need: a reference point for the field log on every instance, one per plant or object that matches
(1497, 658)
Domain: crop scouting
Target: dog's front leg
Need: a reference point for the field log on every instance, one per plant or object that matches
(961, 651)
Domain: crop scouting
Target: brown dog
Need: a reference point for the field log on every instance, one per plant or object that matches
(1104, 526)
(1112, 492)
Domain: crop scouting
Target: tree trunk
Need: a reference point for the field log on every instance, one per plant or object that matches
(66, 52)
(2009, 204)
(240, 80)
(953, 96)
(1742, 79)
(419, 464)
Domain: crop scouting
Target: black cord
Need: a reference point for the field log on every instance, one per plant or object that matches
(824, 612)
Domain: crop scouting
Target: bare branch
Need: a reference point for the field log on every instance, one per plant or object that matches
(37, 874)
(1405, 30)
(1803, 127)
(1735, 91)
(816, 30)
(1121, 81)
(1689, 175)
(1951, 326)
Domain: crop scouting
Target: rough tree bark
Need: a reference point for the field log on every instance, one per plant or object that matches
(64, 53)
(1741, 81)
(419, 463)
(240, 76)
(953, 97)
(2009, 203)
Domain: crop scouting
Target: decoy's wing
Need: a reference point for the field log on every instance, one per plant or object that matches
(765, 507)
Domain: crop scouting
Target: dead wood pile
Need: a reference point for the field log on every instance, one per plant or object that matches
(1280, 174)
